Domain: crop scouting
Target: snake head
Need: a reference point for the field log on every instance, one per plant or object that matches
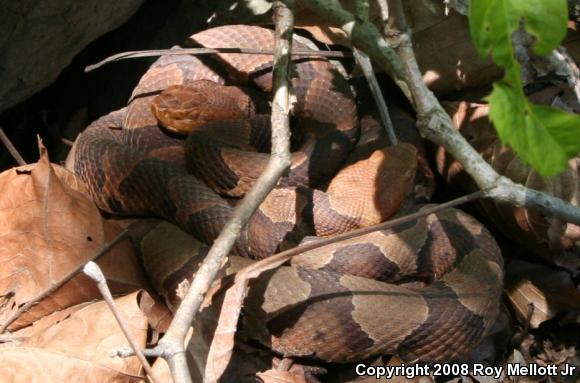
(184, 108)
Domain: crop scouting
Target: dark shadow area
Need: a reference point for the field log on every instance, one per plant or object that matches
(76, 98)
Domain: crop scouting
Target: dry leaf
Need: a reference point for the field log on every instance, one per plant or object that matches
(549, 290)
(45, 323)
(274, 376)
(222, 346)
(121, 265)
(49, 227)
(79, 347)
(161, 371)
(34, 365)
(158, 315)
(326, 34)
(529, 301)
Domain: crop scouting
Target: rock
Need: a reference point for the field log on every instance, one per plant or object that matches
(39, 38)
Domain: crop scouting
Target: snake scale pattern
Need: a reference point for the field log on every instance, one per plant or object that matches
(429, 290)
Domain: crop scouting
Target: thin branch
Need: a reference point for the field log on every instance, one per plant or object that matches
(433, 122)
(285, 364)
(362, 11)
(64, 280)
(210, 51)
(366, 66)
(67, 142)
(93, 271)
(125, 352)
(172, 343)
(383, 11)
(11, 148)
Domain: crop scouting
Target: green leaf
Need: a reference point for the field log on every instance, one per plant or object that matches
(546, 20)
(544, 137)
(492, 23)
(564, 127)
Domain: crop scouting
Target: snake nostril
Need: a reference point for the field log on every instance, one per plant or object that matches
(89, 238)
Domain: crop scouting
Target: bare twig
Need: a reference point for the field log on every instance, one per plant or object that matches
(64, 280)
(222, 345)
(93, 271)
(285, 364)
(125, 352)
(366, 66)
(66, 141)
(209, 51)
(11, 148)
(172, 344)
(383, 11)
(433, 122)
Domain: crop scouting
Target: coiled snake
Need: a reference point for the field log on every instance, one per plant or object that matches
(436, 283)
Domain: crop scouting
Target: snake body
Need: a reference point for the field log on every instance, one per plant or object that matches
(427, 291)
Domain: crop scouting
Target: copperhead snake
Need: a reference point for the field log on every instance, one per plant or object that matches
(436, 283)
